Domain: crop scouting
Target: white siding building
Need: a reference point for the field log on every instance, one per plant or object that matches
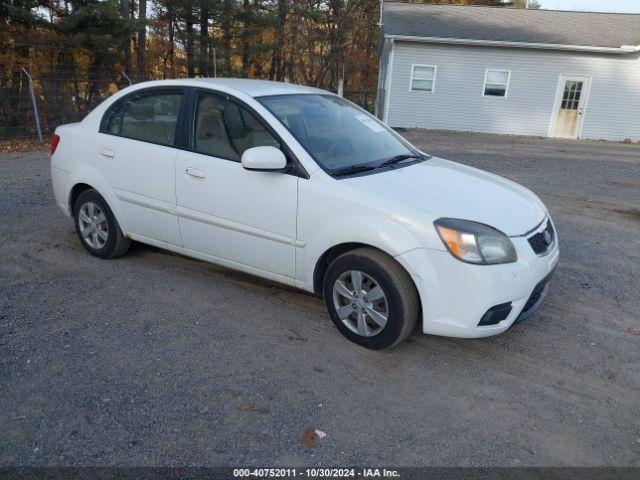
(510, 71)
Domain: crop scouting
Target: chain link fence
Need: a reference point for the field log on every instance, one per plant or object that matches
(17, 116)
(32, 106)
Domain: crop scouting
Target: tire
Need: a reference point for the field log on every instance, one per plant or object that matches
(360, 319)
(104, 238)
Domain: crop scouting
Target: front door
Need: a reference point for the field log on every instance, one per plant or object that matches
(570, 104)
(247, 218)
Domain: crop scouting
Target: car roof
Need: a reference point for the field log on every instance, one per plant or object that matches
(253, 88)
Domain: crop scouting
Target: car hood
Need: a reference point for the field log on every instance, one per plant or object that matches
(446, 189)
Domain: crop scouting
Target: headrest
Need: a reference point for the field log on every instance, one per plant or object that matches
(209, 126)
(141, 111)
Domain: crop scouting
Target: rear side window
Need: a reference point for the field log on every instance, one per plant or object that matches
(150, 117)
(112, 120)
(224, 129)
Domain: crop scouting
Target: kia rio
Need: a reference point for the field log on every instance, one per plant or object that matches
(300, 186)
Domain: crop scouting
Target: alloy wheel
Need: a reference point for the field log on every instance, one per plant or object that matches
(360, 303)
(93, 225)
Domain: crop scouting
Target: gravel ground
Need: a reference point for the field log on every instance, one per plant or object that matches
(156, 359)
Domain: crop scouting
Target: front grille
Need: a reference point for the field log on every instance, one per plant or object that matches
(541, 242)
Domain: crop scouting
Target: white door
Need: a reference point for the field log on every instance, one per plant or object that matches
(134, 154)
(241, 216)
(571, 100)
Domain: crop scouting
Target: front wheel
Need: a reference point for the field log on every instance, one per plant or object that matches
(371, 298)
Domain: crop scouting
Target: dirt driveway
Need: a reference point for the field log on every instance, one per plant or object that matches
(155, 359)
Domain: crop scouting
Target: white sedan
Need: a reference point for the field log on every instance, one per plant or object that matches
(302, 187)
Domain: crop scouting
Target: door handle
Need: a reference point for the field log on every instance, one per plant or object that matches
(105, 152)
(194, 172)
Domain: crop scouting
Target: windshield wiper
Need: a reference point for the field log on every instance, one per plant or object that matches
(400, 158)
(352, 170)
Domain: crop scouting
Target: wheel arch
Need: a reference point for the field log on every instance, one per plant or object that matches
(75, 192)
(86, 178)
(322, 264)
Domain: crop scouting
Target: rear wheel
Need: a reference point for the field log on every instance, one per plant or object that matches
(97, 227)
(371, 298)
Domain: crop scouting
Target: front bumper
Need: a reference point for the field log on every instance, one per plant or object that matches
(455, 295)
(536, 299)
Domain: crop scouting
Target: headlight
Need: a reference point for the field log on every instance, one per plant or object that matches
(475, 243)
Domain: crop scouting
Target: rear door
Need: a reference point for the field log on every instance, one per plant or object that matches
(247, 218)
(134, 151)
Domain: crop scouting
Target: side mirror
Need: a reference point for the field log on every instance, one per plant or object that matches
(263, 159)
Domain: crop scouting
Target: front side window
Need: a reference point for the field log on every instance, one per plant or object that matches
(496, 83)
(150, 117)
(336, 133)
(423, 78)
(224, 129)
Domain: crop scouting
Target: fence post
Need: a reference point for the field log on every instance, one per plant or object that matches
(32, 91)
(124, 74)
(215, 63)
(341, 88)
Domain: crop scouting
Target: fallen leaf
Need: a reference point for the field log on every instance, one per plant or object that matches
(634, 331)
(308, 438)
(23, 145)
(320, 434)
(245, 407)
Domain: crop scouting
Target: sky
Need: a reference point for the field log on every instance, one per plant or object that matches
(623, 6)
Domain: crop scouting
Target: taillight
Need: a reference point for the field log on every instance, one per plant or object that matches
(54, 143)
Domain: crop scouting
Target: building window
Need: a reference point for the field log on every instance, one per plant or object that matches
(496, 83)
(572, 94)
(423, 78)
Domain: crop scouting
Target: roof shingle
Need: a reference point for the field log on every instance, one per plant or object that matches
(610, 30)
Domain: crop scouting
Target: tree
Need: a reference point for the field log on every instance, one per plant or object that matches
(126, 38)
(142, 39)
(203, 66)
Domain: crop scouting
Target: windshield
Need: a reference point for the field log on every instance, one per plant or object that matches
(336, 133)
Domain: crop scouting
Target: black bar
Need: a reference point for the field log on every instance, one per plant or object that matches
(418, 473)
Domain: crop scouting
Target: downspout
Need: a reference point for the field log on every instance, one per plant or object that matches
(388, 82)
(381, 40)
